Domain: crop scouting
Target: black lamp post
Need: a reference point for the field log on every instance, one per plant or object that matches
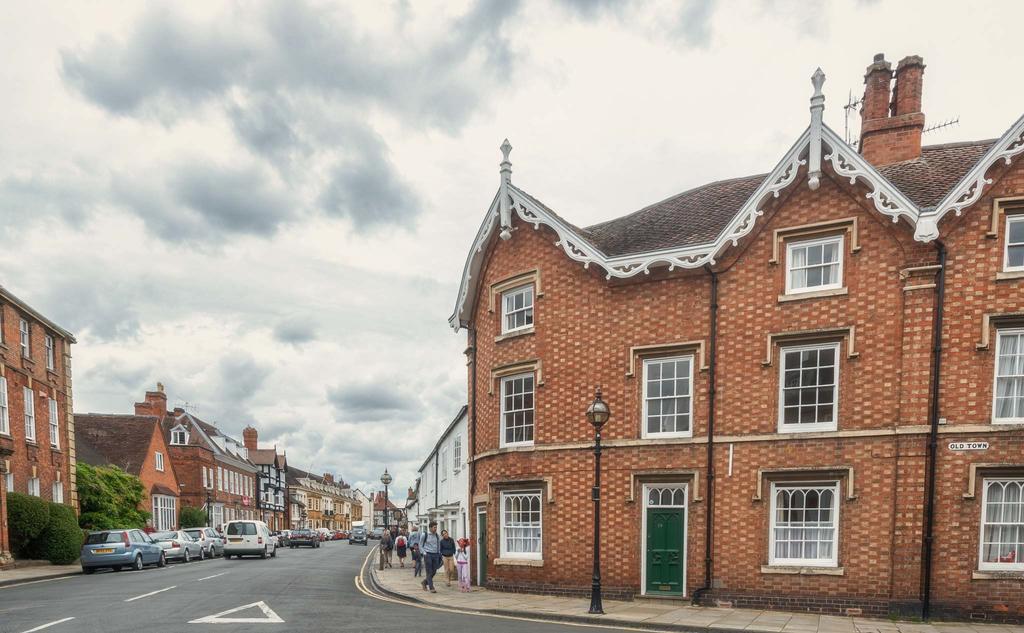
(386, 480)
(209, 509)
(597, 414)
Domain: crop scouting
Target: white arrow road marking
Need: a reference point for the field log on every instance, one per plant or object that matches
(218, 618)
(213, 576)
(49, 624)
(151, 593)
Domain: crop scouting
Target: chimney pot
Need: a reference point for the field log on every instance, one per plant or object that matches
(250, 437)
(891, 118)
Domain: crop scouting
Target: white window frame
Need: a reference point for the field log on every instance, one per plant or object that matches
(528, 309)
(159, 461)
(51, 357)
(444, 463)
(30, 414)
(644, 433)
(457, 453)
(5, 413)
(804, 562)
(1000, 333)
(503, 545)
(816, 426)
(505, 380)
(9, 481)
(25, 338)
(165, 512)
(174, 436)
(839, 240)
(1011, 219)
(57, 492)
(54, 423)
(205, 478)
(33, 487)
(989, 566)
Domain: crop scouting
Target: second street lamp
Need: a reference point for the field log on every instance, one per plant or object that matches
(597, 414)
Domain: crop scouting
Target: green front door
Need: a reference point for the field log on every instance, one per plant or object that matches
(665, 542)
(481, 548)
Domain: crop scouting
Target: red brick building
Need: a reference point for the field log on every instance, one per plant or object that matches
(136, 445)
(37, 437)
(786, 357)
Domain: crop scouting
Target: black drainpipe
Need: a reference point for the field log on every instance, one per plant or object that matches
(472, 414)
(709, 493)
(933, 436)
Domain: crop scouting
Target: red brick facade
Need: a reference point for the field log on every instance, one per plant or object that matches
(48, 460)
(590, 331)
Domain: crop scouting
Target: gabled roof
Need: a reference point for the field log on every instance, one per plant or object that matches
(264, 456)
(690, 229)
(117, 440)
(9, 297)
(201, 434)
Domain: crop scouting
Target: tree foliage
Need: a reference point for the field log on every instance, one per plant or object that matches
(61, 541)
(27, 517)
(192, 517)
(109, 498)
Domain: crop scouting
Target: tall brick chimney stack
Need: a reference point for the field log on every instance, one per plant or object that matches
(249, 438)
(891, 117)
(155, 404)
(328, 478)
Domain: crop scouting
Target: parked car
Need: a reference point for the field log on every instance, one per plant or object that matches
(179, 545)
(377, 533)
(116, 549)
(304, 538)
(357, 535)
(340, 535)
(283, 538)
(248, 537)
(212, 542)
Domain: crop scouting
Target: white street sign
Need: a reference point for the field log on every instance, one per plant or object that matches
(269, 617)
(968, 446)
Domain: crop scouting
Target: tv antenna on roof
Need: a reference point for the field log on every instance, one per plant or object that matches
(189, 407)
(851, 105)
(939, 126)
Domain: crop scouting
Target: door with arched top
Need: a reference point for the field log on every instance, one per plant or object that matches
(664, 546)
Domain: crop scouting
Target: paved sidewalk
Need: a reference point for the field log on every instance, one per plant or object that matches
(30, 571)
(653, 614)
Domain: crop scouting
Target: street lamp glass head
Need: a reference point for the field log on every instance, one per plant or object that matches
(385, 478)
(598, 411)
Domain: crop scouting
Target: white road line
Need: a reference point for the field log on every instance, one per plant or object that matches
(44, 626)
(151, 593)
(213, 576)
(36, 582)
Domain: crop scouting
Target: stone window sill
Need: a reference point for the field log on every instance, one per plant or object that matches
(514, 334)
(990, 574)
(1009, 274)
(803, 571)
(817, 294)
(519, 562)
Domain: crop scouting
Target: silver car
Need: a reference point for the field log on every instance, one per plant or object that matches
(212, 542)
(179, 545)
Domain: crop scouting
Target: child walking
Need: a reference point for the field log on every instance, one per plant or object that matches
(417, 559)
(462, 564)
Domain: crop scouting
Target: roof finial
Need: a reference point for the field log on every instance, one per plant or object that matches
(505, 200)
(814, 150)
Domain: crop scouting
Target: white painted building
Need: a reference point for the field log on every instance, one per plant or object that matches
(444, 483)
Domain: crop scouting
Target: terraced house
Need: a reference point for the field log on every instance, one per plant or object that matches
(816, 378)
(37, 429)
(272, 484)
(320, 501)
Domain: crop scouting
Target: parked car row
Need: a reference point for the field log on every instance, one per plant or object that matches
(134, 549)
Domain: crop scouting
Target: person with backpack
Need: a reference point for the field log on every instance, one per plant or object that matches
(401, 543)
(430, 546)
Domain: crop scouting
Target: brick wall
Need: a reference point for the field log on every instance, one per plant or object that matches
(585, 327)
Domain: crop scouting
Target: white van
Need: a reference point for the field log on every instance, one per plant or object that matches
(248, 537)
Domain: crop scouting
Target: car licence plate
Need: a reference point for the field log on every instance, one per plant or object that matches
(106, 550)
(235, 540)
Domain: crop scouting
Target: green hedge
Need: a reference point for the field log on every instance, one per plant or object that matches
(27, 517)
(62, 536)
(192, 517)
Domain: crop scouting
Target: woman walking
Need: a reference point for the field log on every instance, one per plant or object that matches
(462, 563)
(400, 546)
(448, 556)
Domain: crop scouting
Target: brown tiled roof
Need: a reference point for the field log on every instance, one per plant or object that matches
(699, 215)
(263, 456)
(927, 180)
(118, 440)
(160, 489)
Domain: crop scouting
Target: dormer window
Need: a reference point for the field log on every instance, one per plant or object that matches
(814, 265)
(517, 309)
(179, 436)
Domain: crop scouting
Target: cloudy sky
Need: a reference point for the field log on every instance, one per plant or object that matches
(266, 206)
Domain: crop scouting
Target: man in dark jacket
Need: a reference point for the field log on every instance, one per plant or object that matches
(448, 556)
(386, 545)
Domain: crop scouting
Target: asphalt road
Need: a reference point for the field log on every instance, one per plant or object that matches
(306, 589)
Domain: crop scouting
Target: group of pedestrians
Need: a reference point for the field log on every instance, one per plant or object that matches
(430, 553)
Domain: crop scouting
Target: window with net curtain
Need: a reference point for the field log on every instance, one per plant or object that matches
(521, 524)
(1009, 384)
(804, 524)
(1002, 525)
(814, 265)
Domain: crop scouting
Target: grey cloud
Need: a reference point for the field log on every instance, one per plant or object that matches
(241, 376)
(101, 309)
(295, 331)
(265, 125)
(369, 192)
(370, 402)
(694, 24)
(68, 194)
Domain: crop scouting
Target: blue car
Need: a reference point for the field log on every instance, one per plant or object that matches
(117, 549)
